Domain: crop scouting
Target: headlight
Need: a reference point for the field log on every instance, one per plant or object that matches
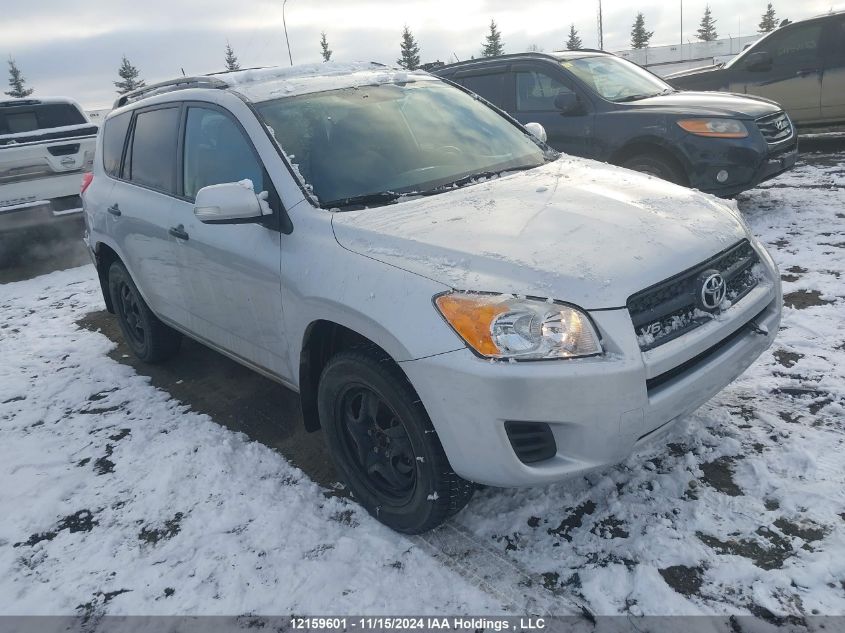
(503, 326)
(717, 128)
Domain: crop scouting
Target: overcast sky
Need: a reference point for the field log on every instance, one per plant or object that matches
(74, 48)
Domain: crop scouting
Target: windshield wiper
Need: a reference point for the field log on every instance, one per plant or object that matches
(367, 199)
(636, 97)
(470, 178)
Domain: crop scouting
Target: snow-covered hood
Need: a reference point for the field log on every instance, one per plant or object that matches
(574, 230)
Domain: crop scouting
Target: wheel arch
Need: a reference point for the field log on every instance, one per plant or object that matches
(321, 340)
(105, 256)
(651, 147)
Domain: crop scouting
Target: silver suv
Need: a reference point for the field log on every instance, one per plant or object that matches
(454, 301)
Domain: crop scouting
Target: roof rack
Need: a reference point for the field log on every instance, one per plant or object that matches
(511, 56)
(183, 83)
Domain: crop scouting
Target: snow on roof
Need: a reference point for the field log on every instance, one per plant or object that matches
(263, 84)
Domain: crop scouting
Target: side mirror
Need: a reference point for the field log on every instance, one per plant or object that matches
(758, 61)
(229, 203)
(536, 130)
(567, 102)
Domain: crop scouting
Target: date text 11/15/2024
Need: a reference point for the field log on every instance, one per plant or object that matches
(382, 623)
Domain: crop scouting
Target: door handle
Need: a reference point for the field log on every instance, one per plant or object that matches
(114, 210)
(178, 232)
(806, 71)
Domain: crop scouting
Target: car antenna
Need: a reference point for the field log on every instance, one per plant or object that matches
(183, 72)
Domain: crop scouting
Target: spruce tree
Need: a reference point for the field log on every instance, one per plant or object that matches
(410, 59)
(231, 59)
(534, 48)
(17, 83)
(494, 45)
(574, 42)
(129, 78)
(768, 22)
(707, 28)
(324, 47)
(639, 36)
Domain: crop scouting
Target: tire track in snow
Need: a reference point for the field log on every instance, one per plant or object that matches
(519, 590)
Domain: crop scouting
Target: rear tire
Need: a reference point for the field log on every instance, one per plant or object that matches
(384, 445)
(657, 166)
(150, 339)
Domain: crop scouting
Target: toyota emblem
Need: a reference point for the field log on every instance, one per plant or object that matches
(713, 290)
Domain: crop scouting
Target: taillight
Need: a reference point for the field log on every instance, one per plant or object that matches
(87, 178)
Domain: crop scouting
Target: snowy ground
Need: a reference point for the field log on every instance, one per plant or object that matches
(119, 499)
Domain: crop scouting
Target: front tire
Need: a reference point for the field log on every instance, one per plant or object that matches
(384, 445)
(150, 339)
(656, 166)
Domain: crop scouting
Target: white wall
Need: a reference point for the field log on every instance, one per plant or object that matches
(663, 60)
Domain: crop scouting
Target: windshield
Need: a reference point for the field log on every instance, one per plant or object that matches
(616, 79)
(371, 144)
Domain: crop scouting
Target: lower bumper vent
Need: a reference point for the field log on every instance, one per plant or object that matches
(531, 441)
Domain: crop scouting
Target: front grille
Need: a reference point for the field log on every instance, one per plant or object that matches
(671, 308)
(531, 441)
(690, 365)
(775, 127)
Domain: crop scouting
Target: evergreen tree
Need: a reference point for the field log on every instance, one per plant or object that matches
(17, 83)
(129, 78)
(410, 59)
(534, 48)
(707, 28)
(768, 22)
(494, 45)
(639, 36)
(231, 59)
(324, 47)
(574, 42)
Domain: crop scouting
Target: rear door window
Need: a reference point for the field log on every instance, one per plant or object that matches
(490, 86)
(834, 48)
(114, 137)
(152, 160)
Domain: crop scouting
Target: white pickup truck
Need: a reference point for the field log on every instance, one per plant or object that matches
(45, 147)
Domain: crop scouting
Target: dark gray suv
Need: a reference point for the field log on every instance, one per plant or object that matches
(800, 65)
(597, 105)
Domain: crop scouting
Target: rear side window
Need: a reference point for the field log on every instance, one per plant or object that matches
(490, 86)
(29, 118)
(114, 136)
(152, 160)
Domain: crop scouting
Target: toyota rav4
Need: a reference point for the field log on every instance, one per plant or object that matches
(454, 301)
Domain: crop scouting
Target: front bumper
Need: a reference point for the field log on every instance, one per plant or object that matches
(748, 162)
(598, 409)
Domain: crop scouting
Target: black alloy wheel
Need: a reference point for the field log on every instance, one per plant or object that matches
(384, 445)
(376, 441)
(150, 340)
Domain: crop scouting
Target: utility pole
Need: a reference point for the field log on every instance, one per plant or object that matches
(285, 25)
(601, 31)
(682, 30)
